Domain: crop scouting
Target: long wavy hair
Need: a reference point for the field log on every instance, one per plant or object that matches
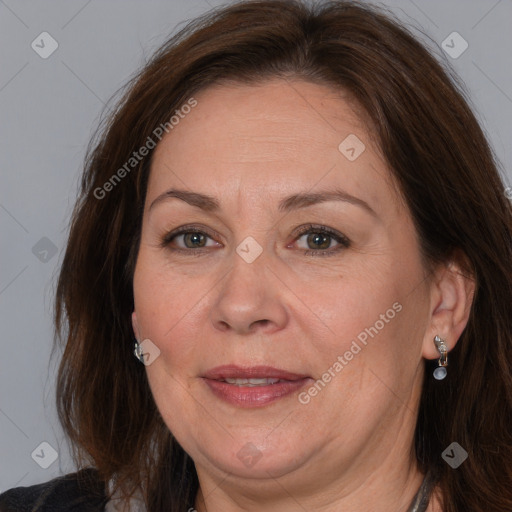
(419, 112)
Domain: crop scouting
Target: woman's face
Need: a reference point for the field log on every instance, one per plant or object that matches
(301, 261)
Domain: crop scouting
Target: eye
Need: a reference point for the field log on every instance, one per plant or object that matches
(187, 239)
(319, 241)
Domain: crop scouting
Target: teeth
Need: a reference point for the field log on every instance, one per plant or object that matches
(251, 382)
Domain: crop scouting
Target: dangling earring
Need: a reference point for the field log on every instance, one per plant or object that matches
(440, 372)
(138, 352)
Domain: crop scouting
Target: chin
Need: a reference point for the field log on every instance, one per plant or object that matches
(254, 459)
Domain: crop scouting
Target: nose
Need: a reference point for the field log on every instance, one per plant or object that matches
(250, 299)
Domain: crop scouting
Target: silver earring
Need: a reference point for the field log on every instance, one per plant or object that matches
(440, 372)
(138, 352)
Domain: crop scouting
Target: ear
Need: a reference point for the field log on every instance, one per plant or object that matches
(451, 297)
(135, 326)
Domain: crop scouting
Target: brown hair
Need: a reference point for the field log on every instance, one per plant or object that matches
(446, 172)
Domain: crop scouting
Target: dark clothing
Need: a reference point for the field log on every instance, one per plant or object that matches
(82, 491)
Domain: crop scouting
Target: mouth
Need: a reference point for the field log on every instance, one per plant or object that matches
(255, 375)
(252, 386)
(250, 383)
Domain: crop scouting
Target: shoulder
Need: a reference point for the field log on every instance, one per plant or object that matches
(82, 491)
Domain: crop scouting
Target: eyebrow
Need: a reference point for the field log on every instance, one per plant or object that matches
(287, 204)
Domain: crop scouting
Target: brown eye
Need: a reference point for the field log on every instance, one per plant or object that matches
(193, 240)
(187, 239)
(318, 241)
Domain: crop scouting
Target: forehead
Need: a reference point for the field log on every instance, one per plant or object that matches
(275, 136)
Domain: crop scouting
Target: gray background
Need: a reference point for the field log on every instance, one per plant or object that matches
(48, 111)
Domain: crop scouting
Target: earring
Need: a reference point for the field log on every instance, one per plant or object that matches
(440, 372)
(138, 352)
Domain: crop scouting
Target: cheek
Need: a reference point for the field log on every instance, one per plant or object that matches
(373, 316)
(167, 305)
(355, 298)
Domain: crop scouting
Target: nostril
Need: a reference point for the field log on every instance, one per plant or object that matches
(263, 323)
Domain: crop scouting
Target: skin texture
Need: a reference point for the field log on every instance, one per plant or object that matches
(350, 447)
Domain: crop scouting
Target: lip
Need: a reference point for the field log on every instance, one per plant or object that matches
(232, 371)
(258, 396)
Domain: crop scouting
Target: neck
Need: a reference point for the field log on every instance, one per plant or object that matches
(385, 491)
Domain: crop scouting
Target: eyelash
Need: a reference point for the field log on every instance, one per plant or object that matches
(343, 241)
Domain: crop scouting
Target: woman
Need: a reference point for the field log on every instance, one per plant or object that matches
(297, 217)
